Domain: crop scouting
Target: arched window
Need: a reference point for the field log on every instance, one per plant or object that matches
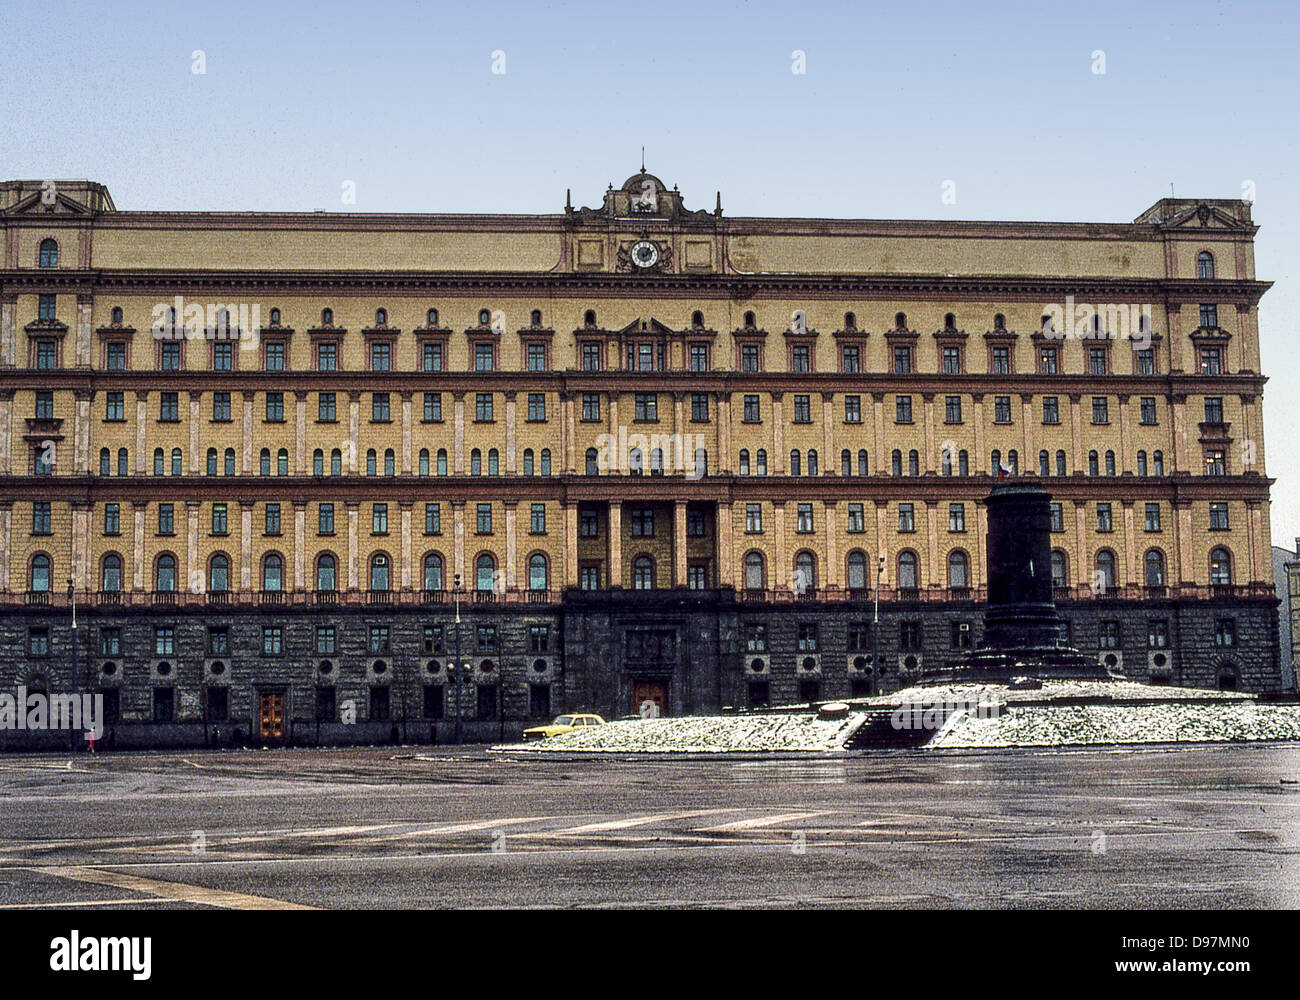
(336, 462)
(1105, 578)
(282, 462)
(1110, 462)
(744, 461)
(635, 462)
(123, 462)
(862, 461)
(536, 318)
(754, 575)
(381, 317)
(49, 254)
(1204, 264)
(442, 461)
(275, 317)
(264, 462)
(476, 463)
(327, 317)
(1220, 566)
(493, 462)
(106, 462)
(379, 571)
(116, 316)
(589, 318)
(528, 461)
(995, 462)
(431, 317)
(229, 461)
(697, 319)
(896, 462)
(958, 570)
(1060, 463)
(643, 573)
(907, 578)
(158, 462)
(805, 571)
(1158, 463)
(318, 463)
(177, 462)
(812, 461)
(1060, 569)
(592, 462)
(999, 322)
(1044, 463)
(701, 462)
(485, 317)
(212, 461)
(390, 462)
(325, 578)
(110, 575)
(485, 570)
(1142, 463)
(760, 462)
(857, 570)
(165, 573)
(846, 462)
(750, 320)
(900, 321)
(795, 464)
(424, 461)
(949, 321)
(546, 461)
(945, 461)
(1013, 462)
(1155, 568)
(39, 574)
(1093, 467)
(272, 572)
(219, 573)
(433, 571)
(372, 462)
(963, 463)
(537, 572)
(913, 463)
(850, 321)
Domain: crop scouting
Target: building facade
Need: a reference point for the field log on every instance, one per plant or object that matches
(641, 453)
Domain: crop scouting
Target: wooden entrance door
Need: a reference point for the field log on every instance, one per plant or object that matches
(646, 693)
(270, 726)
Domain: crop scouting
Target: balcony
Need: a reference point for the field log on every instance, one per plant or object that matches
(109, 597)
(164, 598)
(325, 597)
(434, 597)
(272, 598)
(379, 597)
(38, 598)
(485, 597)
(218, 597)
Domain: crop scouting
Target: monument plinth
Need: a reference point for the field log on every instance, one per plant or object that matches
(1022, 628)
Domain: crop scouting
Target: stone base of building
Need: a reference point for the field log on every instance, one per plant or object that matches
(686, 652)
(994, 666)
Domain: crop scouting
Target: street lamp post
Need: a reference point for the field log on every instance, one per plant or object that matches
(457, 666)
(72, 599)
(875, 626)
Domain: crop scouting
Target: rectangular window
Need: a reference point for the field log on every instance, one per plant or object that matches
(1104, 522)
(112, 519)
(483, 407)
(272, 519)
(219, 640)
(536, 358)
(1002, 409)
(647, 406)
(643, 522)
(380, 356)
(591, 406)
(41, 517)
(379, 641)
(804, 518)
(699, 357)
(1211, 361)
(906, 517)
(802, 410)
(536, 406)
(749, 358)
(219, 525)
(223, 357)
(1147, 410)
(539, 638)
(379, 519)
(221, 407)
(326, 409)
(275, 356)
(952, 360)
(1158, 633)
(807, 637)
(379, 408)
(1047, 361)
(1057, 516)
(1051, 410)
(1214, 409)
(857, 519)
(1153, 517)
(115, 407)
(960, 635)
(588, 524)
(591, 357)
(751, 410)
(909, 636)
(431, 357)
(1001, 361)
(956, 517)
(327, 357)
(1218, 516)
(1146, 362)
(1097, 357)
(853, 409)
(115, 357)
(432, 519)
(1108, 635)
(169, 356)
(110, 641)
(699, 408)
(851, 359)
(1225, 632)
(164, 640)
(169, 407)
(1216, 462)
(902, 361)
(1209, 316)
(432, 407)
(38, 641)
(272, 640)
(433, 638)
(275, 407)
(487, 638)
(800, 360)
(483, 522)
(325, 519)
(903, 410)
(695, 524)
(166, 519)
(589, 577)
(1100, 410)
(537, 519)
(952, 410)
(753, 518)
(326, 639)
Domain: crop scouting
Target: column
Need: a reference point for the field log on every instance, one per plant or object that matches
(458, 540)
(570, 521)
(882, 511)
(300, 433)
(1125, 435)
(1131, 572)
(1076, 434)
(354, 432)
(137, 570)
(783, 568)
(777, 464)
(567, 406)
(1083, 565)
(726, 556)
(878, 411)
(978, 577)
(679, 540)
(300, 545)
(928, 399)
(981, 453)
(198, 583)
(1028, 459)
(196, 459)
(615, 544)
(1187, 554)
(6, 431)
(81, 576)
(246, 546)
(723, 403)
(830, 460)
(8, 327)
(84, 302)
(406, 433)
(619, 456)
(405, 506)
(81, 431)
(247, 465)
(352, 507)
(510, 434)
(1180, 457)
(458, 457)
(6, 527)
(1173, 322)
(512, 544)
(937, 577)
(834, 570)
(141, 424)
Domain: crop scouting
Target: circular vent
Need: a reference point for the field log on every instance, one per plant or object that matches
(164, 669)
(326, 667)
(218, 668)
(109, 669)
(539, 666)
(1160, 659)
(433, 666)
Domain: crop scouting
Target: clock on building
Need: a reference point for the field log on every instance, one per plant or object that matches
(645, 254)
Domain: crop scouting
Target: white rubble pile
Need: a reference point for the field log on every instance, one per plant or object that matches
(704, 734)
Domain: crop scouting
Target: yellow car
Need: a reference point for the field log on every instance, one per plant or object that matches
(562, 724)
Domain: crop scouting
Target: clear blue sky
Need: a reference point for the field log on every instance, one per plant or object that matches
(897, 98)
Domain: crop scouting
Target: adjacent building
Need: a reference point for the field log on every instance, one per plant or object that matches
(308, 475)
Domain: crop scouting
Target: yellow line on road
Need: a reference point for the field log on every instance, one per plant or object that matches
(178, 891)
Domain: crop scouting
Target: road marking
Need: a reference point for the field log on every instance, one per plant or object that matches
(455, 828)
(82, 903)
(177, 891)
(623, 824)
(761, 821)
